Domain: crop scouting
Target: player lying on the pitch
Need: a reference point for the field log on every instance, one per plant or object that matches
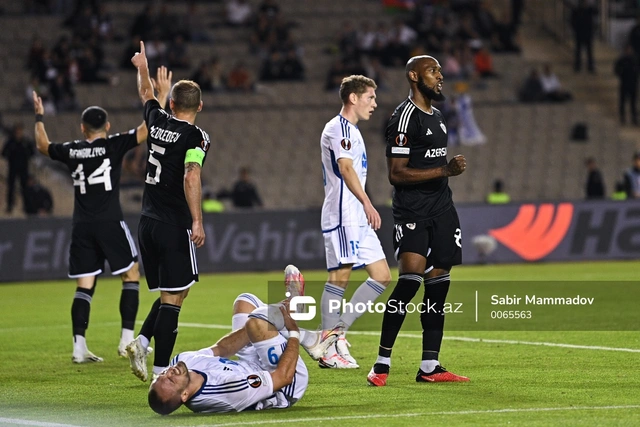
(269, 372)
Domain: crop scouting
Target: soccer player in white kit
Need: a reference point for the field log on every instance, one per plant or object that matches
(269, 372)
(348, 217)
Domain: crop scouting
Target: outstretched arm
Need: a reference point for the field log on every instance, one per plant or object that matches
(162, 84)
(42, 140)
(145, 87)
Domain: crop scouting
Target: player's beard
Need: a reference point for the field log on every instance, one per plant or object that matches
(429, 93)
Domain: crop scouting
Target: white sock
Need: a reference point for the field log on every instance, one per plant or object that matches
(384, 360)
(157, 370)
(127, 335)
(367, 292)
(79, 344)
(330, 316)
(143, 340)
(428, 365)
(307, 338)
(238, 320)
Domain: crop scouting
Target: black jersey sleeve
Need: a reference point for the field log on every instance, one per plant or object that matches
(123, 142)
(401, 133)
(152, 111)
(60, 152)
(199, 140)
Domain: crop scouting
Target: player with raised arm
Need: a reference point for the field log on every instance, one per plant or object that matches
(95, 164)
(171, 226)
(349, 219)
(427, 235)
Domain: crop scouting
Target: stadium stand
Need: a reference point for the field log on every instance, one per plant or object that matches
(279, 125)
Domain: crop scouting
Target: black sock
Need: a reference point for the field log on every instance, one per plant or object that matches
(165, 333)
(80, 310)
(129, 301)
(406, 288)
(432, 319)
(150, 322)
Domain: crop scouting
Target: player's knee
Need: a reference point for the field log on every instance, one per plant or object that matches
(131, 275)
(174, 298)
(340, 277)
(242, 306)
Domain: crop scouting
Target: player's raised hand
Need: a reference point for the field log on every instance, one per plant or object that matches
(140, 58)
(373, 217)
(456, 166)
(197, 234)
(162, 82)
(37, 104)
(289, 323)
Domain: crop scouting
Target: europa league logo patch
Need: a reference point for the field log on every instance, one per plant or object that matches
(401, 140)
(346, 144)
(254, 381)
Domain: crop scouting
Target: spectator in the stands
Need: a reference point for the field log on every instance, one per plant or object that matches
(143, 23)
(583, 22)
(17, 151)
(240, 79)
(551, 86)
(627, 68)
(594, 188)
(194, 25)
(505, 36)
(239, 13)
(531, 90)
(483, 62)
(269, 8)
(37, 199)
(632, 178)
(177, 53)
(244, 193)
(366, 38)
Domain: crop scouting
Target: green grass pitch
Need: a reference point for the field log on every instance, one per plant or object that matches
(514, 378)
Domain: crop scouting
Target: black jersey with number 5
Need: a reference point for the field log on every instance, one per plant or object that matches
(422, 138)
(169, 140)
(95, 169)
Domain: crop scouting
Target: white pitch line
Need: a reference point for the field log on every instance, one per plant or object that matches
(423, 414)
(32, 423)
(466, 339)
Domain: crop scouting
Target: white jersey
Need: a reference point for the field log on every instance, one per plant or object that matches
(340, 139)
(229, 385)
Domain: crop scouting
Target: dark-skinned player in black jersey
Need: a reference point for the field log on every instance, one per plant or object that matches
(99, 232)
(171, 225)
(427, 235)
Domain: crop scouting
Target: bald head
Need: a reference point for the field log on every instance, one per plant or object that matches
(416, 63)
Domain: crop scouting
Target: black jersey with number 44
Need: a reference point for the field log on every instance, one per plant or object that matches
(168, 142)
(422, 138)
(95, 168)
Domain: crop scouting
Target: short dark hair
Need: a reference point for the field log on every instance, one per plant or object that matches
(186, 96)
(355, 84)
(94, 118)
(162, 407)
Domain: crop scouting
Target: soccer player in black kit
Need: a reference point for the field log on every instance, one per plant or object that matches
(99, 231)
(427, 237)
(171, 226)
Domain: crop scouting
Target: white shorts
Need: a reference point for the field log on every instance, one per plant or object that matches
(359, 246)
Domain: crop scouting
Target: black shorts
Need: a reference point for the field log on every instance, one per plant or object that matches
(168, 255)
(92, 243)
(438, 239)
